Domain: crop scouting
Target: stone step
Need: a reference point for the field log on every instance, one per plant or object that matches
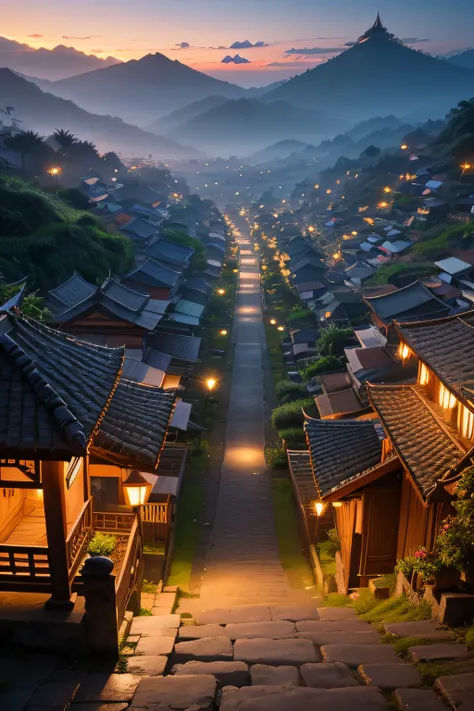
(196, 692)
(355, 625)
(390, 676)
(208, 649)
(275, 652)
(299, 698)
(107, 688)
(151, 625)
(226, 673)
(432, 652)
(356, 654)
(260, 630)
(187, 632)
(327, 676)
(422, 629)
(323, 638)
(155, 646)
(147, 664)
(265, 675)
(235, 614)
(418, 700)
(294, 613)
(337, 613)
(458, 690)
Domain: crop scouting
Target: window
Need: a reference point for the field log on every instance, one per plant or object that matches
(403, 351)
(465, 422)
(73, 469)
(445, 398)
(423, 375)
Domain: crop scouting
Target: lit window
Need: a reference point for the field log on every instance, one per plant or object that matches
(403, 351)
(465, 422)
(424, 375)
(445, 398)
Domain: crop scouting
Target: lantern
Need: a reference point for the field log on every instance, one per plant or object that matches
(136, 489)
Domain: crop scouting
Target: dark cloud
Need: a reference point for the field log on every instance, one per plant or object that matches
(235, 60)
(35, 36)
(70, 37)
(314, 50)
(183, 45)
(413, 40)
(246, 44)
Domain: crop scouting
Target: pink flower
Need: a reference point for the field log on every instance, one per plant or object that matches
(354, 596)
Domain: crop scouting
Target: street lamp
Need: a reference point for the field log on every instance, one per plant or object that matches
(404, 147)
(387, 190)
(136, 489)
(223, 332)
(221, 292)
(273, 321)
(280, 328)
(54, 172)
(319, 507)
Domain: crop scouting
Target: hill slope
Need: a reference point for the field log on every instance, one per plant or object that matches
(44, 113)
(54, 64)
(378, 75)
(184, 114)
(464, 59)
(141, 90)
(246, 125)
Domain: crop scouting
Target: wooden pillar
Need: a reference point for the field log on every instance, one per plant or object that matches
(56, 530)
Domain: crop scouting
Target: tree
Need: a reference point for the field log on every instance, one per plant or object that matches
(30, 145)
(65, 139)
(334, 339)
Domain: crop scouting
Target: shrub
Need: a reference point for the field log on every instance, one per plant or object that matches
(333, 540)
(285, 388)
(275, 457)
(74, 197)
(291, 414)
(327, 364)
(293, 436)
(406, 566)
(101, 544)
(455, 543)
(334, 339)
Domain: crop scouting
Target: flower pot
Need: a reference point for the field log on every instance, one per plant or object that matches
(446, 579)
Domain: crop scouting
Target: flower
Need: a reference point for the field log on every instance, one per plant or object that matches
(421, 553)
(354, 596)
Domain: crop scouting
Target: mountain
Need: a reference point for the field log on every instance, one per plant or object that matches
(277, 151)
(141, 90)
(52, 64)
(464, 59)
(188, 112)
(237, 59)
(44, 113)
(378, 75)
(247, 125)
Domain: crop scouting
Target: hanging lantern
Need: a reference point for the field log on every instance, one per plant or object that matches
(136, 489)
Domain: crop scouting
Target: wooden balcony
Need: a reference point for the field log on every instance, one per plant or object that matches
(24, 568)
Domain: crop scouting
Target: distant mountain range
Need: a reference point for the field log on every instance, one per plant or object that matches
(245, 125)
(378, 74)
(186, 113)
(278, 151)
(142, 90)
(44, 113)
(52, 64)
(464, 59)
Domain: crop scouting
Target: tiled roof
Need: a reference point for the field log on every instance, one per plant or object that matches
(414, 300)
(70, 293)
(198, 283)
(423, 444)
(333, 382)
(177, 346)
(139, 228)
(170, 252)
(153, 273)
(302, 474)
(161, 361)
(447, 347)
(342, 402)
(53, 388)
(135, 425)
(340, 450)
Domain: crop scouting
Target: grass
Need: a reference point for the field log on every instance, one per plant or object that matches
(186, 535)
(145, 612)
(325, 551)
(401, 645)
(335, 600)
(292, 555)
(149, 586)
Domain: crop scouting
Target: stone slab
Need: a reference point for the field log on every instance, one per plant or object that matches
(235, 614)
(431, 652)
(458, 690)
(163, 693)
(356, 625)
(422, 629)
(294, 614)
(208, 649)
(54, 694)
(300, 698)
(322, 638)
(275, 651)
(356, 654)
(259, 630)
(107, 687)
(418, 700)
(327, 676)
(226, 673)
(153, 625)
(265, 675)
(155, 646)
(149, 664)
(121, 706)
(337, 613)
(390, 676)
(199, 631)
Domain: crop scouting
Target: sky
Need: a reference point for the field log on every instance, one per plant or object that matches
(200, 32)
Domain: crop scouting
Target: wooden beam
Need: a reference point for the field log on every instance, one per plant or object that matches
(56, 530)
(357, 483)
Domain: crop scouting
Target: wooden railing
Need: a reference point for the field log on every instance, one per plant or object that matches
(113, 521)
(24, 567)
(156, 518)
(128, 580)
(79, 537)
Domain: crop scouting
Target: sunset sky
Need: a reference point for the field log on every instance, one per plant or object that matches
(130, 29)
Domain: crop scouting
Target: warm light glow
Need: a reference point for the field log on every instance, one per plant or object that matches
(337, 504)
(336, 256)
(136, 489)
(236, 271)
(280, 328)
(465, 422)
(39, 494)
(319, 508)
(316, 187)
(223, 332)
(175, 195)
(55, 171)
(445, 398)
(275, 215)
(403, 351)
(211, 383)
(383, 204)
(327, 314)
(338, 182)
(404, 147)
(221, 291)
(466, 166)
(329, 191)
(273, 321)
(354, 233)
(424, 375)
(387, 189)
(311, 228)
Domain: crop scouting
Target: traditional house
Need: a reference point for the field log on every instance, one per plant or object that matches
(159, 280)
(174, 256)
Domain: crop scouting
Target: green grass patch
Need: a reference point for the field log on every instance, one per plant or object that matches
(335, 600)
(401, 645)
(148, 586)
(145, 612)
(186, 534)
(395, 609)
(325, 551)
(294, 561)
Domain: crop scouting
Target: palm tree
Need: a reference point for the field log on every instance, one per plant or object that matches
(65, 139)
(28, 143)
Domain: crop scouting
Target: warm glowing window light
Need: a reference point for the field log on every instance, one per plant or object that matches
(445, 398)
(319, 508)
(465, 422)
(424, 375)
(403, 351)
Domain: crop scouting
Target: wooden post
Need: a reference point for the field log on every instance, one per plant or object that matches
(56, 530)
(101, 616)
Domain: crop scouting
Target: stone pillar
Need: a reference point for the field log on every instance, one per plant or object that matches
(101, 615)
(56, 530)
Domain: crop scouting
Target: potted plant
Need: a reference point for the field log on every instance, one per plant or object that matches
(101, 545)
(434, 571)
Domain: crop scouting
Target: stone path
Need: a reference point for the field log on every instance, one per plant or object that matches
(243, 563)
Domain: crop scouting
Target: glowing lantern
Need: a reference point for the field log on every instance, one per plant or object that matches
(136, 489)
(319, 508)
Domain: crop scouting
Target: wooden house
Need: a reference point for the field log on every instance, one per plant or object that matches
(70, 422)
(157, 279)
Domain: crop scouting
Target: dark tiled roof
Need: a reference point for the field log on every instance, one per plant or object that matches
(302, 471)
(342, 402)
(340, 450)
(177, 346)
(70, 293)
(304, 335)
(447, 347)
(153, 273)
(198, 283)
(170, 252)
(135, 425)
(423, 444)
(307, 273)
(53, 388)
(138, 228)
(161, 361)
(333, 382)
(411, 301)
